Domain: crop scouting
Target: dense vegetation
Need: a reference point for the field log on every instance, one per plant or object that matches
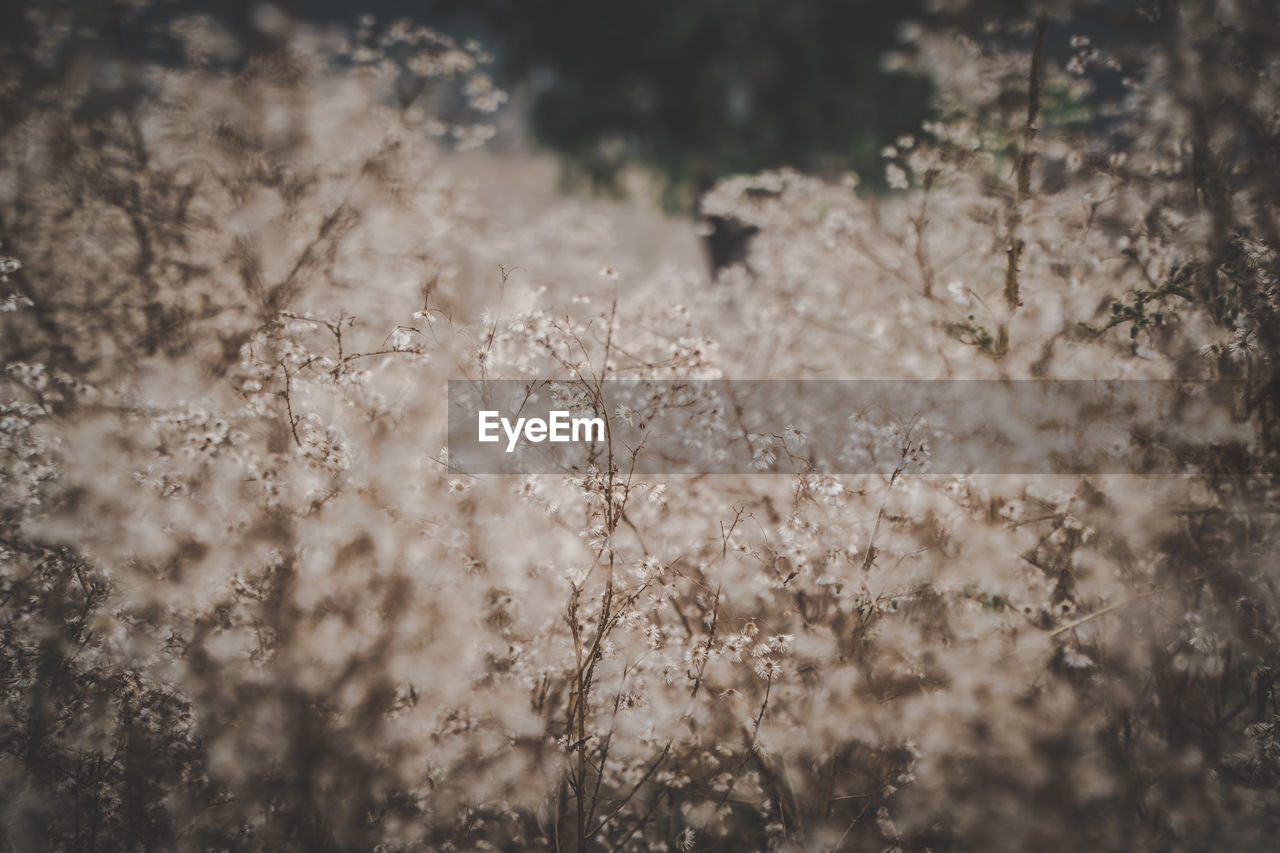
(246, 604)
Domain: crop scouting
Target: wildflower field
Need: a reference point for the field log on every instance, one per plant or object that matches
(249, 602)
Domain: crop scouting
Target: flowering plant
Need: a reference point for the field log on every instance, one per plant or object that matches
(248, 602)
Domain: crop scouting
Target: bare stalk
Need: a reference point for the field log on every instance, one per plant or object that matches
(1024, 160)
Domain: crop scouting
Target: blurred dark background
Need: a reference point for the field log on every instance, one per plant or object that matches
(692, 89)
(697, 89)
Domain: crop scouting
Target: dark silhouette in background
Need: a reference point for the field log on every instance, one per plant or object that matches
(727, 242)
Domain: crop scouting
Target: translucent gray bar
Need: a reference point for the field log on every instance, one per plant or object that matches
(857, 426)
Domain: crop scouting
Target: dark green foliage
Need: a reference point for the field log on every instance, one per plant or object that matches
(698, 89)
